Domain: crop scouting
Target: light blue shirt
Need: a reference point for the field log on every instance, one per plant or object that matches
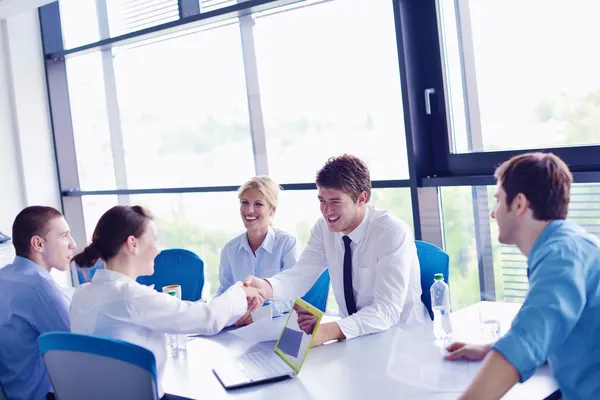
(560, 318)
(279, 251)
(31, 304)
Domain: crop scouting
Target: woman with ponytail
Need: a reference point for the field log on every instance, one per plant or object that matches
(114, 305)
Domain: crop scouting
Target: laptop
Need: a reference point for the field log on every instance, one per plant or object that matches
(284, 361)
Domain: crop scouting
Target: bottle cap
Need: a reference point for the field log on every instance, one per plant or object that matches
(438, 277)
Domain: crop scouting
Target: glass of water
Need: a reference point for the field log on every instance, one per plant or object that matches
(489, 321)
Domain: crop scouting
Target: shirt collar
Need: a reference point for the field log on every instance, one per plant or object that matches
(27, 263)
(545, 235)
(106, 275)
(359, 232)
(267, 243)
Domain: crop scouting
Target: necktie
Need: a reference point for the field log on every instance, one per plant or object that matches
(348, 290)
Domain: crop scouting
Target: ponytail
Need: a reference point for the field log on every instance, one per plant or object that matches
(88, 257)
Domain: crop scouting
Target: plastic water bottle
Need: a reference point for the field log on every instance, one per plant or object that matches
(440, 304)
(172, 339)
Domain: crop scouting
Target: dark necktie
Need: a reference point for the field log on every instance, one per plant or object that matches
(348, 290)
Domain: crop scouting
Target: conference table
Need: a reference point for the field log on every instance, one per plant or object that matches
(404, 362)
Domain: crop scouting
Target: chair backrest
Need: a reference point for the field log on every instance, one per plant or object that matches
(90, 367)
(177, 267)
(317, 295)
(432, 260)
(86, 274)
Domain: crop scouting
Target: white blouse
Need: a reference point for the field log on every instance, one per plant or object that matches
(115, 306)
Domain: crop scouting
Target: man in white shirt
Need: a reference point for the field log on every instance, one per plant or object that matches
(370, 254)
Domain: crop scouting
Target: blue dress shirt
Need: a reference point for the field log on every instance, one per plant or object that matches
(279, 251)
(560, 318)
(31, 304)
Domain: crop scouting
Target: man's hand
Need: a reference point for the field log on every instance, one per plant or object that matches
(468, 351)
(306, 320)
(245, 320)
(255, 297)
(327, 332)
(261, 284)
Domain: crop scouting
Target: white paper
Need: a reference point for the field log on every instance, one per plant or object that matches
(263, 313)
(261, 331)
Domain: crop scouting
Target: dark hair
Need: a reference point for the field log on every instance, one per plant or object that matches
(31, 221)
(543, 178)
(112, 230)
(347, 173)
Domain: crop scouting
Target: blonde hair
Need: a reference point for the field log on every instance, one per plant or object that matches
(266, 186)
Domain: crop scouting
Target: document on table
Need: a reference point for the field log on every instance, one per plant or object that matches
(261, 331)
(418, 361)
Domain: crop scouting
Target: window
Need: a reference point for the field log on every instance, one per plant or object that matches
(90, 122)
(505, 266)
(584, 210)
(85, 22)
(328, 89)
(93, 208)
(461, 245)
(511, 86)
(184, 111)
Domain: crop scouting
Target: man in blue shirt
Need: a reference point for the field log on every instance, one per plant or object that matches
(31, 303)
(560, 318)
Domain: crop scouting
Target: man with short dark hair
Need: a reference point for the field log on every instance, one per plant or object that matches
(560, 318)
(371, 257)
(31, 303)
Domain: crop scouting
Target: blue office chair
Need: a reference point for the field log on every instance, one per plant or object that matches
(177, 267)
(432, 260)
(317, 295)
(86, 274)
(94, 368)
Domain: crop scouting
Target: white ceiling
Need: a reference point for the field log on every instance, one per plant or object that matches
(12, 7)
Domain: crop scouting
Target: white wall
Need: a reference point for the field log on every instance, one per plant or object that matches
(11, 177)
(28, 172)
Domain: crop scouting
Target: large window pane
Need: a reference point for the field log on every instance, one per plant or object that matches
(460, 243)
(520, 87)
(90, 122)
(330, 84)
(184, 111)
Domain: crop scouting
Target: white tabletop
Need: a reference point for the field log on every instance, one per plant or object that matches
(402, 362)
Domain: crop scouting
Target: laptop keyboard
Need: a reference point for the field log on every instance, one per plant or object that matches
(261, 365)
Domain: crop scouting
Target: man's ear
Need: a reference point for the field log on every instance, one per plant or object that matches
(520, 204)
(362, 198)
(37, 243)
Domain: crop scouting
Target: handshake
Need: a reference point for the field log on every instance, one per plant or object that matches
(257, 291)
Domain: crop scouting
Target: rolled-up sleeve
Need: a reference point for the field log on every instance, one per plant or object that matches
(552, 308)
(392, 273)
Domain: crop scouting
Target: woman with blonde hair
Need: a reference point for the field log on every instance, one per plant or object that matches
(262, 250)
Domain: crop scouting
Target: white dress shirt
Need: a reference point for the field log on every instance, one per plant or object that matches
(385, 273)
(115, 306)
(279, 251)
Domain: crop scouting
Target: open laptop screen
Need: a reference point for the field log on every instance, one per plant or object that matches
(297, 335)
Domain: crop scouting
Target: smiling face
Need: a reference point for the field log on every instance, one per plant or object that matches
(55, 249)
(340, 211)
(255, 211)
